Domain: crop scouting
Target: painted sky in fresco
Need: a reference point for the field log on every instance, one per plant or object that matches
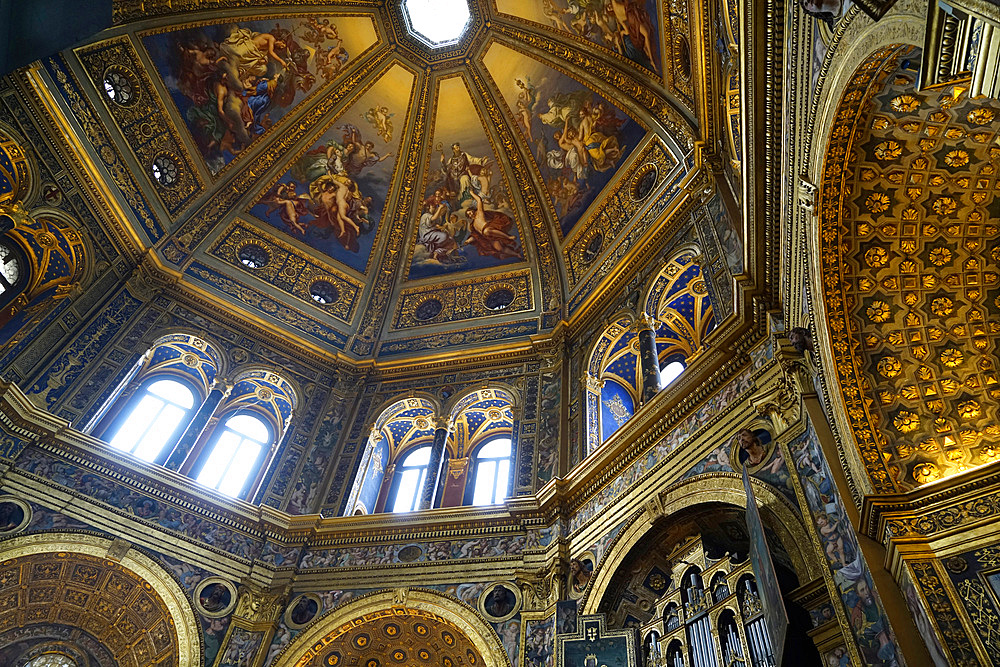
(450, 236)
(627, 27)
(232, 81)
(332, 197)
(577, 138)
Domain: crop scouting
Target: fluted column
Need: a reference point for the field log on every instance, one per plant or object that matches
(649, 362)
(220, 390)
(434, 466)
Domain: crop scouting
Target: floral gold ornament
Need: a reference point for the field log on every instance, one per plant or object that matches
(942, 306)
(926, 472)
(904, 103)
(944, 205)
(889, 367)
(980, 116)
(906, 422)
(940, 256)
(878, 311)
(969, 409)
(951, 357)
(956, 158)
(888, 150)
(876, 257)
(877, 202)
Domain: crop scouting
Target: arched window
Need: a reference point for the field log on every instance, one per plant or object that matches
(409, 480)
(13, 272)
(671, 372)
(155, 418)
(234, 453)
(491, 472)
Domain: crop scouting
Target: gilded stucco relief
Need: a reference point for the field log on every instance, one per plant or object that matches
(908, 226)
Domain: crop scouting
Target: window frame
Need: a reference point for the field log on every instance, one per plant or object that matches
(13, 290)
(473, 475)
(212, 440)
(132, 402)
(397, 478)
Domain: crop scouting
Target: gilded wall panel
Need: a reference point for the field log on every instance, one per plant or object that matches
(289, 269)
(142, 119)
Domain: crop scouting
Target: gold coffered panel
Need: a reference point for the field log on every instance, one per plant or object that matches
(909, 232)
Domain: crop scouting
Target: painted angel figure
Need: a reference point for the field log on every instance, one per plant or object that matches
(527, 100)
(378, 117)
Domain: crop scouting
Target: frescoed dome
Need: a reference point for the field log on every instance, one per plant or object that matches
(384, 183)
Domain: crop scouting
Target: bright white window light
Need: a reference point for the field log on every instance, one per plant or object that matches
(671, 372)
(235, 453)
(411, 480)
(436, 23)
(492, 473)
(164, 404)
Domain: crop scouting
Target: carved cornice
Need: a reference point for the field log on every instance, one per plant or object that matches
(931, 512)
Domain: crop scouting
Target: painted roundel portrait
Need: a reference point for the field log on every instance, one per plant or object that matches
(500, 602)
(214, 597)
(752, 448)
(302, 610)
(14, 515)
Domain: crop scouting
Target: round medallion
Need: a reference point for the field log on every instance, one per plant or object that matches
(253, 256)
(190, 360)
(120, 86)
(214, 597)
(264, 394)
(499, 299)
(324, 292)
(428, 309)
(410, 553)
(15, 514)
(46, 239)
(165, 170)
(499, 602)
(302, 610)
(644, 182)
(593, 248)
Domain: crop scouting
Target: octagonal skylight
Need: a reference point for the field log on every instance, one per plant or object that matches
(436, 23)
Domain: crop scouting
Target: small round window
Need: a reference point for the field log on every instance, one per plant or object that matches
(253, 256)
(164, 170)
(499, 299)
(644, 184)
(324, 292)
(428, 310)
(120, 87)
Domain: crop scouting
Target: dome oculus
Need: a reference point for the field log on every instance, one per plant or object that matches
(436, 23)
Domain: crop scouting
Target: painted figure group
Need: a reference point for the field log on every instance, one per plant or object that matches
(234, 79)
(334, 204)
(465, 208)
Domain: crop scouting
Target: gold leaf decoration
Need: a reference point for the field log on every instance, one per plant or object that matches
(906, 422)
(889, 367)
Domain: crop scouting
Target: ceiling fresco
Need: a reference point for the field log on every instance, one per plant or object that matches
(909, 206)
(333, 195)
(333, 175)
(627, 27)
(467, 219)
(577, 138)
(233, 81)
